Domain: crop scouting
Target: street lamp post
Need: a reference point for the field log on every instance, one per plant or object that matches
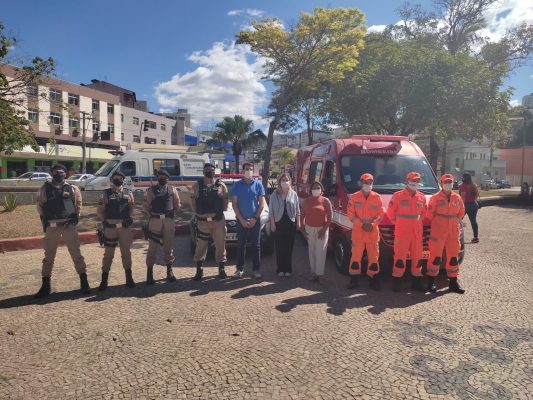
(84, 141)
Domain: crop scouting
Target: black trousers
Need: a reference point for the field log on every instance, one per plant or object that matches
(284, 241)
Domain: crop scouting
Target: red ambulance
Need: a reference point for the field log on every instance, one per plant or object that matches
(338, 164)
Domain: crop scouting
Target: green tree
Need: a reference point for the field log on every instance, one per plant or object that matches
(15, 131)
(237, 131)
(318, 50)
(286, 156)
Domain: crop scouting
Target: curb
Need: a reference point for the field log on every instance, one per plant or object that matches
(36, 242)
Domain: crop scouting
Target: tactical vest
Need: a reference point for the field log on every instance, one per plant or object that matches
(60, 202)
(209, 201)
(163, 202)
(118, 204)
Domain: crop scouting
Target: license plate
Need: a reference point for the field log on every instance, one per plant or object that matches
(231, 236)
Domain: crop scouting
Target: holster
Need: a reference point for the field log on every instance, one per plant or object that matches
(145, 231)
(44, 223)
(101, 237)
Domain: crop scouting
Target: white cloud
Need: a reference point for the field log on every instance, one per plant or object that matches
(506, 14)
(515, 103)
(226, 82)
(376, 28)
(252, 12)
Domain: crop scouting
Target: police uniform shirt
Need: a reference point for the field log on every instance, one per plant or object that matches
(41, 197)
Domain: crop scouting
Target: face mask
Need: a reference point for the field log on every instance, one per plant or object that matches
(366, 187)
(248, 174)
(413, 185)
(58, 177)
(118, 182)
(447, 186)
(284, 184)
(209, 174)
(162, 181)
(316, 192)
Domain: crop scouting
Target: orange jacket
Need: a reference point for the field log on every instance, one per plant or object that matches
(445, 214)
(406, 211)
(365, 210)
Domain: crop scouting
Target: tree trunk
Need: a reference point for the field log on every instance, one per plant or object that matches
(309, 130)
(443, 156)
(433, 151)
(268, 150)
(236, 148)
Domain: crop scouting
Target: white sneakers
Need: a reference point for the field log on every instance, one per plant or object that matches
(238, 274)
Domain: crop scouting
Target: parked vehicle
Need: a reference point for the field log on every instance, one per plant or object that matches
(267, 240)
(338, 164)
(488, 184)
(140, 167)
(79, 180)
(503, 184)
(27, 179)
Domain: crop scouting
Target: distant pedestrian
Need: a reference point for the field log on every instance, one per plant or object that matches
(470, 195)
(248, 200)
(284, 208)
(315, 218)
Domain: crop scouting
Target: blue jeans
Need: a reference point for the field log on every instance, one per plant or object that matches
(249, 236)
(471, 211)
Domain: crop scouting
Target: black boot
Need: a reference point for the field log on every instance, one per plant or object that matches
(455, 287)
(199, 271)
(432, 288)
(150, 275)
(44, 290)
(354, 282)
(103, 284)
(418, 284)
(170, 274)
(375, 283)
(84, 284)
(397, 284)
(129, 279)
(221, 271)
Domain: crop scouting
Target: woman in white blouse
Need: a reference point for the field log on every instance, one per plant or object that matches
(284, 214)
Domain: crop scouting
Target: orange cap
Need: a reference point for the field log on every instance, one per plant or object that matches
(411, 176)
(446, 177)
(366, 177)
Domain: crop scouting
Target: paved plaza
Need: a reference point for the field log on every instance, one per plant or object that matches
(277, 338)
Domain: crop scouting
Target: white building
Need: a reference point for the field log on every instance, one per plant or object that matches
(527, 101)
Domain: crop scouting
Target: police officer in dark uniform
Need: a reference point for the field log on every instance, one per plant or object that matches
(59, 206)
(209, 200)
(115, 209)
(161, 203)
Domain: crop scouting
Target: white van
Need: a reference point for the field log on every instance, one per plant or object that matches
(140, 167)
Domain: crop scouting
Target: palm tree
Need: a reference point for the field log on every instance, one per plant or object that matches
(237, 131)
(286, 156)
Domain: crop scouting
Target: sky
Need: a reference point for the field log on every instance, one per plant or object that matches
(177, 53)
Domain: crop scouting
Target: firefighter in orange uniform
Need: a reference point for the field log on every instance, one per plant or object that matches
(445, 211)
(406, 210)
(365, 210)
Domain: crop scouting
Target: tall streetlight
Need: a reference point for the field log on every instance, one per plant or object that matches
(85, 116)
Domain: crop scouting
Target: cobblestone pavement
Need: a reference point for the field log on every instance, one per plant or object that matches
(278, 338)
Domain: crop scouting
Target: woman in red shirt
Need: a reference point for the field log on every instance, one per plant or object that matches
(470, 195)
(315, 217)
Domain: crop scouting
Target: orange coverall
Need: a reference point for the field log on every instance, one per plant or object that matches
(365, 210)
(445, 216)
(406, 211)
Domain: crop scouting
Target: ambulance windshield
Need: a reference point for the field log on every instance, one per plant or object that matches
(106, 169)
(389, 173)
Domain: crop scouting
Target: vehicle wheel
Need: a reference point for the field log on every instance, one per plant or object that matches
(342, 252)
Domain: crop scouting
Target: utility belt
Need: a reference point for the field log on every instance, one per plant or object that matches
(168, 214)
(115, 225)
(209, 219)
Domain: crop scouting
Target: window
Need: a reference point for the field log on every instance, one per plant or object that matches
(330, 175)
(111, 128)
(128, 168)
(73, 123)
(150, 124)
(110, 109)
(135, 121)
(122, 136)
(73, 99)
(315, 170)
(149, 140)
(55, 95)
(96, 105)
(457, 162)
(136, 139)
(96, 126)
(171, 165)
(163, 141)
(181, 118)
(121, 117)
(33, 90)
(33, 116)
(55, 118)
(163, 127)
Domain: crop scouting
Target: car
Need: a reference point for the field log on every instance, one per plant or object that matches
(267, 239)
(503, 184)
(487, 184)
(31, 178)
(79, 179)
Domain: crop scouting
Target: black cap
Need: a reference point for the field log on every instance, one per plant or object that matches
(163, 172)
(119, 173)
(208, 165)
(58, 166)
